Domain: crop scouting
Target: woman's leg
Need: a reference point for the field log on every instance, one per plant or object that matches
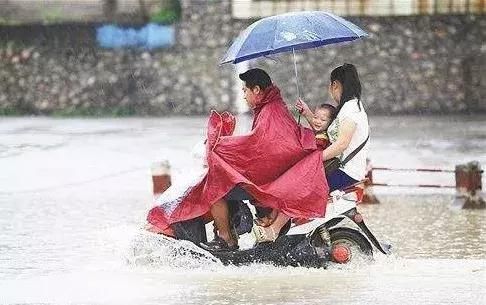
(220, 213)
(279, 222)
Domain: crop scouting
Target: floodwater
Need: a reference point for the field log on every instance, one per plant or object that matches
(74, 194)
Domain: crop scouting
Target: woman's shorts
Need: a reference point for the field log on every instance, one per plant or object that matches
(339, 180)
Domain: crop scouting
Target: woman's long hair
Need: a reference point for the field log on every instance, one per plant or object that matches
(347, 75)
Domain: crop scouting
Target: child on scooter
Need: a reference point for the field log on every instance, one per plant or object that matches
(319, 120)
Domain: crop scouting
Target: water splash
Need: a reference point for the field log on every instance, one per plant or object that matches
(148, 249)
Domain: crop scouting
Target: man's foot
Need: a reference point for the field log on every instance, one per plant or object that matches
(218, 245)
(264, 234)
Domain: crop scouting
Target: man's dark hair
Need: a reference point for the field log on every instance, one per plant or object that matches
(256, 77)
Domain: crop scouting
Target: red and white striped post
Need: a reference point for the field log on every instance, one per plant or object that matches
(469, 185)
(368, 196)
(160, 177)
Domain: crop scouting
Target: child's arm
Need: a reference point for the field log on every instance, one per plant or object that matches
(305, 111)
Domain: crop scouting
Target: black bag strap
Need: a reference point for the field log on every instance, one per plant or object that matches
(352, 154)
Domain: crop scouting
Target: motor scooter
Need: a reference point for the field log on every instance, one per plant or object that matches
(341, 236)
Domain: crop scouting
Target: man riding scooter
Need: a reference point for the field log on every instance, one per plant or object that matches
(277, 164)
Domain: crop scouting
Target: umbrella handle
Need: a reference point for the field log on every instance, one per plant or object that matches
(296, 80)
(296, 74)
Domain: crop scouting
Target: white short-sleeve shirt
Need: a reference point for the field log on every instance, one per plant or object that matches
(356, 167)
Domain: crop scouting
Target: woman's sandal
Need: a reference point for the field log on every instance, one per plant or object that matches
(264, 234)
(263, 222)
(267, 220)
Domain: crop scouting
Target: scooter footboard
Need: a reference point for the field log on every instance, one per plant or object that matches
(289, 250)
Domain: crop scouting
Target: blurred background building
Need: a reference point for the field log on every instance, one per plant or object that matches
(422, 56)
(262, 8)
(135, 10)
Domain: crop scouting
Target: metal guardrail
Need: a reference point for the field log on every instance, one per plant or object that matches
(468, 183)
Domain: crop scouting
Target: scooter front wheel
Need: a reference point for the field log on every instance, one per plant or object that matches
(349, 245)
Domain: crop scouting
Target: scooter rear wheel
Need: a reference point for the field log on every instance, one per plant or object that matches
(349, 245)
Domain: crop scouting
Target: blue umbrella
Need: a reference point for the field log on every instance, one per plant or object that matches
(290, 32)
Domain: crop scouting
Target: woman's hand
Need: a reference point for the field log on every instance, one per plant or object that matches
(302, 107)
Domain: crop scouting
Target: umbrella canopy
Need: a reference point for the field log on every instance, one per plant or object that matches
(289, 32)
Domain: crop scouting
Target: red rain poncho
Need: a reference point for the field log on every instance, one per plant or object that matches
(278, 163)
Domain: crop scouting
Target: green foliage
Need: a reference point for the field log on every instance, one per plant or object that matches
(4, 21)
(51, 16)
(170, 13)
(10, 111)
(165, 17)
(15, 46)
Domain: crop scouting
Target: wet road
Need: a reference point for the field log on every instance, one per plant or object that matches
(74, 194)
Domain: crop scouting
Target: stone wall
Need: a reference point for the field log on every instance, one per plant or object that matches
(407, 65)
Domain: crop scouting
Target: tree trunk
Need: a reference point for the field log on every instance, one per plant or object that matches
(109, 9)
(143, 11)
